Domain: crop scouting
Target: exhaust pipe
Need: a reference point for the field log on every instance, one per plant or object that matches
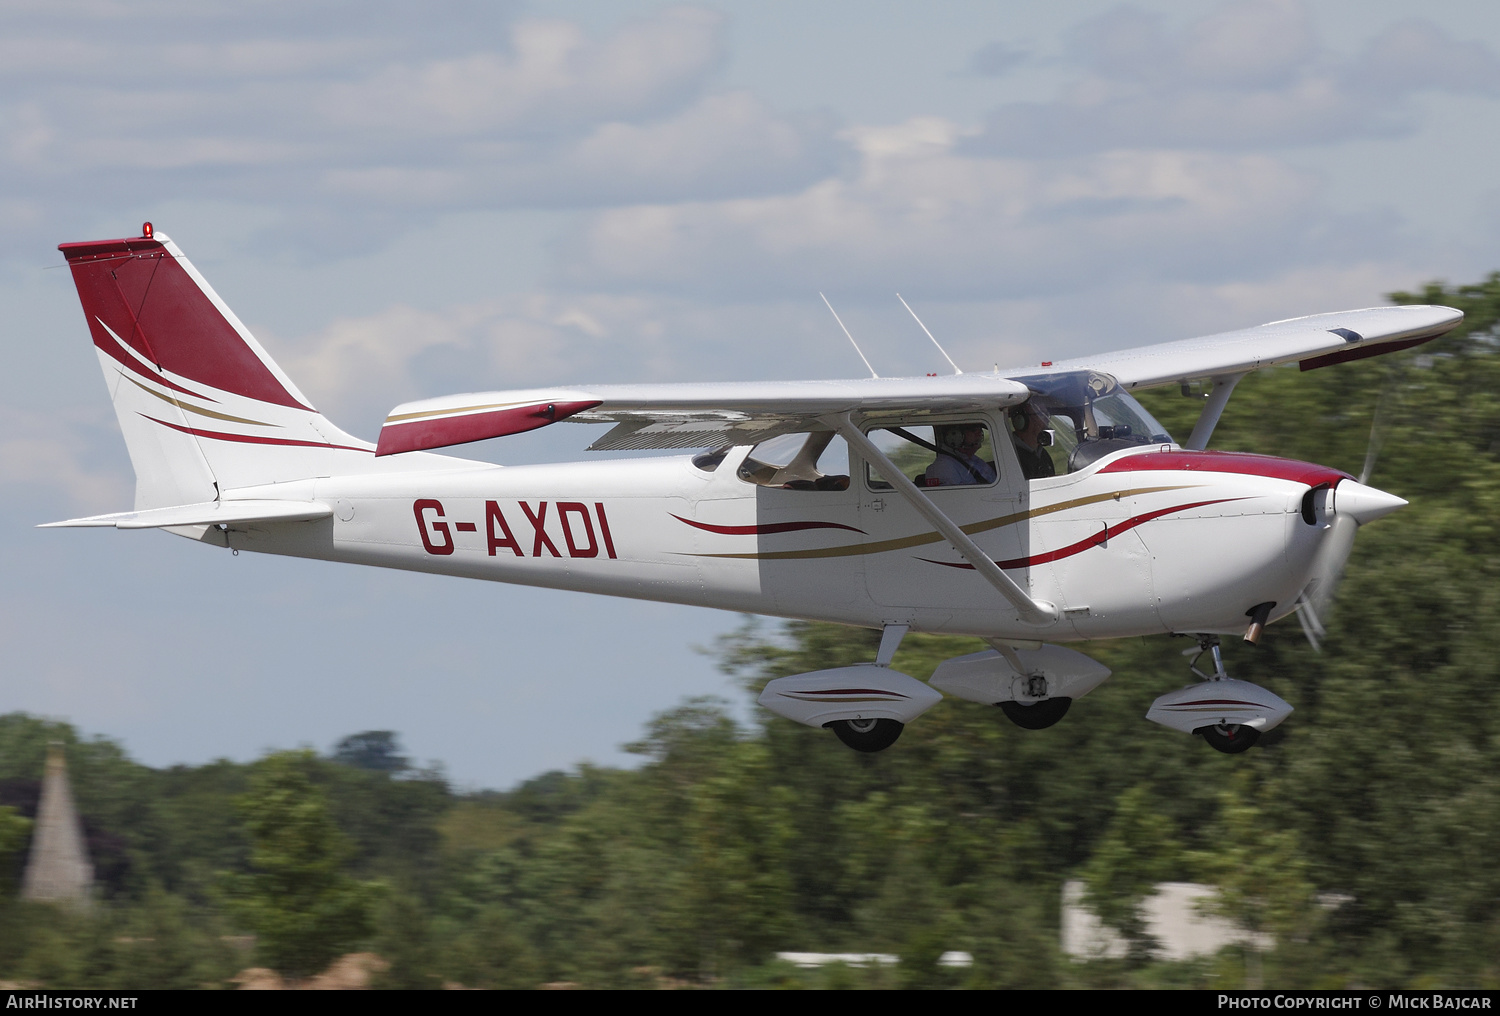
(1257, 615)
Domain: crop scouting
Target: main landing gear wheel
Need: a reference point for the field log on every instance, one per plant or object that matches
(1038, 715)
(867, 735)
(1230, 738)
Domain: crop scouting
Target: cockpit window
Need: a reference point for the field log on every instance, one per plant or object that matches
(816, 461)
(1091, 417)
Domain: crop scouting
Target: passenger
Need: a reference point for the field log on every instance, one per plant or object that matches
(1029, 435)
(957, 461)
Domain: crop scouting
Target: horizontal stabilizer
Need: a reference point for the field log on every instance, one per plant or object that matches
(209, 513)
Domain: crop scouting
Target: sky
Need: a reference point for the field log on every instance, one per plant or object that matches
(404, 201)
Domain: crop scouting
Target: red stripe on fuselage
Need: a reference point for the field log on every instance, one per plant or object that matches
(1243, 463)
(1092, 540)
(766, 529)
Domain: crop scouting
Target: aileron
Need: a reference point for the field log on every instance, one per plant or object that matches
(1316, 339)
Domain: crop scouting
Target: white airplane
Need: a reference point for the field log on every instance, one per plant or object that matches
(1026, 507)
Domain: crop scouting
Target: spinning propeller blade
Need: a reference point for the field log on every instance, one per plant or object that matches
(1359, 504)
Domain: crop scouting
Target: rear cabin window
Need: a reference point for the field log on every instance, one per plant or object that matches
(816, 461)
(960, 454)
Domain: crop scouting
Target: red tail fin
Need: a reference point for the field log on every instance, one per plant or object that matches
(137, 294)
(203, 408)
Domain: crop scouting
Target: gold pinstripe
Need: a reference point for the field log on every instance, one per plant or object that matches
(195, 409)
(921, 539)
(454, 412)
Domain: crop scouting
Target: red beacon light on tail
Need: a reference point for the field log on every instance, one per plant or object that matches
(146, 230)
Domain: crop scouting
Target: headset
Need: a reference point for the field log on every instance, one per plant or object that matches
(1020, 419)
(950, 436)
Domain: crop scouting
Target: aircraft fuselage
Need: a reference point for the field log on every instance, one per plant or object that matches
(1142, 542)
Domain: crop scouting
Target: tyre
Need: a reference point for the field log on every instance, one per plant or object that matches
(867, 735)
(1230, 738)
(1038, 715)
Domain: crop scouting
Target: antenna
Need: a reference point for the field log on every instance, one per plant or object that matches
(929, 335)
(851, 338)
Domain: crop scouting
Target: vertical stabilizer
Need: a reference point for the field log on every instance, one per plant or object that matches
(202, 407)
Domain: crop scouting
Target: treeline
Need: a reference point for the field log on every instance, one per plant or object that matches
(1358, 838)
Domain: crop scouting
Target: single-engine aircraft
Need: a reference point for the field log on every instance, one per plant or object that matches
(1027, 507)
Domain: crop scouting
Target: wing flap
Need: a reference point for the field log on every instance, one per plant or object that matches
(684, 415)
(209, 513)
(440, 427)
(647, 434)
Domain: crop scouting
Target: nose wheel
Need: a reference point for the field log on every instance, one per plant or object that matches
(1230, 738)
(867, 735)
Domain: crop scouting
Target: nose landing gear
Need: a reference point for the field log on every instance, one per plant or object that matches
(1230, 738)
(867, 735)
(1230, 715)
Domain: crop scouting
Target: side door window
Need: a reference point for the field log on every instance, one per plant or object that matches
(958, 454)
(954, 463)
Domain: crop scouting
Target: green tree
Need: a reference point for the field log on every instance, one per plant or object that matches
(304, 908)
(376, 750)
(15, 832)
(1262, 874)
(1138, 850)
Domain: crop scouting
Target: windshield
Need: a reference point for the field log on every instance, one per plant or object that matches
(1090, 416)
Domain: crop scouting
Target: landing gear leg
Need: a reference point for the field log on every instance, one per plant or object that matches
(1035, 715)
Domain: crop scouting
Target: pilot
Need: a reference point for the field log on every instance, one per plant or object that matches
(1029, 434)
(957, 461)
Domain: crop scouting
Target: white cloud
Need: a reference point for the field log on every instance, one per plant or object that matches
(724, 144)
(358, 368)
(921, 215)
(60, 452)
(382, 115)
(552, 78)
(24, 55)
(1250, 75)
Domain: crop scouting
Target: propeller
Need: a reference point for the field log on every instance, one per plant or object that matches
(1353, 504)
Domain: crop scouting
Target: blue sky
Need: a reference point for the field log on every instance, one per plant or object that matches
(403, 203)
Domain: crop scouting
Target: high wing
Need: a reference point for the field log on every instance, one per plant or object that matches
(1317, 340)
(685, 415)
(655, 416)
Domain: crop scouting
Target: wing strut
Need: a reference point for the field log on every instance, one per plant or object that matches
(1035, 612)
(1212, 410)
